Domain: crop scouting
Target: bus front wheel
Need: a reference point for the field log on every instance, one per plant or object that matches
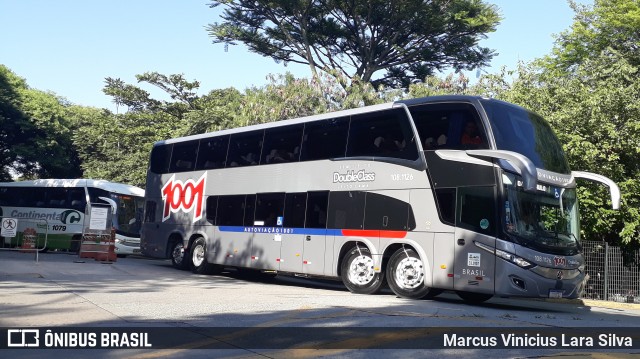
(358, 274)
(406, 274)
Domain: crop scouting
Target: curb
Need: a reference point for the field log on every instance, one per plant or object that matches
(608, 304)
(587, 303)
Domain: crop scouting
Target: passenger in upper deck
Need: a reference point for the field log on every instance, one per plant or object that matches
(470, 136)
(386, 145)
(431, 144)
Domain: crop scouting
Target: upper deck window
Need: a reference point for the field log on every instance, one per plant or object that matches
(213, 153)
(378, 134)
(449, 126)
(245, 149)
(382, 134)
(282, 144)
(160, 156)
(184, 156)
(325, 139)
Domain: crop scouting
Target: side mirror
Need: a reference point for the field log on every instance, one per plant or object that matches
(613, 187)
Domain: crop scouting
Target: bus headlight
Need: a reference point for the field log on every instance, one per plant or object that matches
(520, 262)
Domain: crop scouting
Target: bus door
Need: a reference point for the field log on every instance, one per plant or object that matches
(268, 231)
(476, 220)
(315, 239)
(290, 259)
(235, 221)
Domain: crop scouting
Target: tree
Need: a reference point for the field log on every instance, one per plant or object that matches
(112, 146)
(116, 147)
(14, 124)
(611, 24)
(285, 97)
(35, 139)
(434, 86)
(182, 93)
(216, 111)
(406, 39)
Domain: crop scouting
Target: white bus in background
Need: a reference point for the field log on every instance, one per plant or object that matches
(458, 193)
(64, 203)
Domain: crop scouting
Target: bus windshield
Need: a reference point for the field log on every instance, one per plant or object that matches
(516, 129)
(546, 220)
(128, 218)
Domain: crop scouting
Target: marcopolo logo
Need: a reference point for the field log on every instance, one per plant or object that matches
(353, 176)
(184, 196)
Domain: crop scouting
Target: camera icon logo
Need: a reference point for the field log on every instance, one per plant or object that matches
(22, 338)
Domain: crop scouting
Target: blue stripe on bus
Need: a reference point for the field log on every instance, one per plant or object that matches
(282, 230)
(316, 231)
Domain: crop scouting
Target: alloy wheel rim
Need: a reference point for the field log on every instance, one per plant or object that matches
(361, 270)
(409, 273)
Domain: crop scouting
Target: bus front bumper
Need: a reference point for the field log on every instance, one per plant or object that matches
(537, 282)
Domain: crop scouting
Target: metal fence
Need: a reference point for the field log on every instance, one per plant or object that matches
(613, 275)
(26, 235)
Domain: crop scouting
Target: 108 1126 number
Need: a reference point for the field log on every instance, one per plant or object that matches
(402, 177)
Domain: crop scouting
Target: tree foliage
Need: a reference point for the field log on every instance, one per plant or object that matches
(113, 146)
(406, 40)
(13, 122)
(613, 24)
(35, 134)
(117, 147)
(285, 97)
(181, 92)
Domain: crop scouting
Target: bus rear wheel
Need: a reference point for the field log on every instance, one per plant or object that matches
(179, 259)
(474, 298)
(199, 264)
(358, 274)
(406, 274)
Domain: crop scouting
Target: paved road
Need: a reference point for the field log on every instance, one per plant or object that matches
(62, 290)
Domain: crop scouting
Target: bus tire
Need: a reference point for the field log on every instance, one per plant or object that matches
(199, 264)
(179, 259)
(357, 272)
(474, 298)
(75, 244)
(406, 274)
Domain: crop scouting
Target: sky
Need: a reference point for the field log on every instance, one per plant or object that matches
(69, 47)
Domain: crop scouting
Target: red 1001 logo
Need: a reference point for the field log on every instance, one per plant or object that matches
(184, 196)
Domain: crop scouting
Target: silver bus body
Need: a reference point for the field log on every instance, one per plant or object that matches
(397, 193)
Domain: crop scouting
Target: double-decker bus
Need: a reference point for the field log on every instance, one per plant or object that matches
(62, 204)
(458, 193)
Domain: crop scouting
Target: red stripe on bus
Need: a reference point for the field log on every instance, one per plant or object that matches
(373, 233)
